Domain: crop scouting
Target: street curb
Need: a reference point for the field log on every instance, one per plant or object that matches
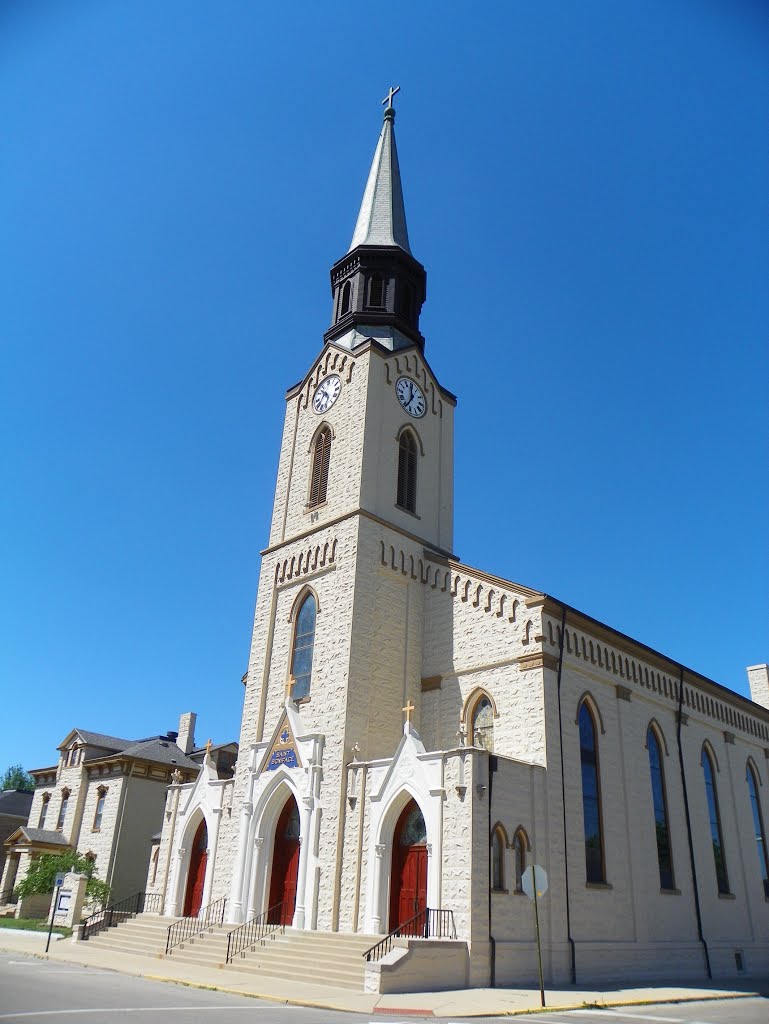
(409, 1011)
(617, 1004)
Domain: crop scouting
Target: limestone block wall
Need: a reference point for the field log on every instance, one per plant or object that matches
(291, 517)
(101, 842)
(385, 418)
(477, 635)
(520, 801)
(631, 912)
(386, 650)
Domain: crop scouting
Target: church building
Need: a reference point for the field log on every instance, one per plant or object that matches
(417, 732)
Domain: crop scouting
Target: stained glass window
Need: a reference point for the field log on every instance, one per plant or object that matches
(292, 824)
(758, 825)
(719, 855)
(591, 797)
(304, 640)
(497, 860)
(483, 725)
(662, 830)
(519, 849)
(414, 832)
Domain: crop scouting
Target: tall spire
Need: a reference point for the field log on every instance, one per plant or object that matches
(382, 217)
(378, 286)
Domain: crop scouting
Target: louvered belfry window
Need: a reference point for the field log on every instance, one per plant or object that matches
(320, 461)
(407, 471)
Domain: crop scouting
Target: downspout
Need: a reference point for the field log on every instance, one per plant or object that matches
(572, 948)
(689, 823)
(493, 763)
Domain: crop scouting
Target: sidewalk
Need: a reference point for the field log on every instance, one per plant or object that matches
(463, 1003)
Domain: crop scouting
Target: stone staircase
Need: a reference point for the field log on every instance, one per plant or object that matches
(325, 958)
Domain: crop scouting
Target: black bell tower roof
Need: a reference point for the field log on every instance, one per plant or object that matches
(378, 286)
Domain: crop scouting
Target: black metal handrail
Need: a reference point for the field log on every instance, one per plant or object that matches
(6, 896)
(204, 921)
(247, 935)
(121, 911)
(427, 924)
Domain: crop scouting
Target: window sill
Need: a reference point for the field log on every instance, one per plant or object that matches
(500, 892)
(727, 896)
(598, 885)
(314, 508)
(96, 830)
(408, 511)
(670, 892)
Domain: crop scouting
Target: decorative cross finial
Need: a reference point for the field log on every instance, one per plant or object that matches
(209, 744)
(407, 711)
(387, 102)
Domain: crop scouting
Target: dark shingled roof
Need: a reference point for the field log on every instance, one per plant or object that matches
(43, 835)
(161, 750)
(16, 803)
(99, 739)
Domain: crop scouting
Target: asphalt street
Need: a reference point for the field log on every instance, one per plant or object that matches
(34, 990)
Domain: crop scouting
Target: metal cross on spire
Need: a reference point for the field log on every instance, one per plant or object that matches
(407, 710)
(387, 102)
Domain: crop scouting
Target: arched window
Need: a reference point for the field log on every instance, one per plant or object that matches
(758, 825)
(344, 300)
(304, 640)
(483, 724)
(63, 808)
(659, 799)
(497, 859)
(102, 796)
(44, 810)
(719, 855)
(321, 458)
(520, 845)
(407, 471)
(591, 796)
(376, 291)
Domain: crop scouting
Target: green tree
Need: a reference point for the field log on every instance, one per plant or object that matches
(15, 777)
(42, 875)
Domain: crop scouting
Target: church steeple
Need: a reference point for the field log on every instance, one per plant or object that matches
(378, 286)
(382, 217)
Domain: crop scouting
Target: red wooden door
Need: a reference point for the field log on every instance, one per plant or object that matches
(285, 863)
(196, 877)
(408, 881)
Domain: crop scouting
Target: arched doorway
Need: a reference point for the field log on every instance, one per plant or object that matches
(196, 876)
(285, 864)
(408, 880)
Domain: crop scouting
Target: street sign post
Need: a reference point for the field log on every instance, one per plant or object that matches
(57, 884)
(534, 884)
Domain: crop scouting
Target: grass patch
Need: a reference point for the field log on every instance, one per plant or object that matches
(31, 924)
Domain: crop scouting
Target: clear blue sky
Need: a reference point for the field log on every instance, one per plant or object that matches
(587, 187)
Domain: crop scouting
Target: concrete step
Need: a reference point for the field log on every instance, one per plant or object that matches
(332, 959)
(336, 978)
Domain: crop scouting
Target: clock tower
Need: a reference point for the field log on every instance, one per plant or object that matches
(362, 515)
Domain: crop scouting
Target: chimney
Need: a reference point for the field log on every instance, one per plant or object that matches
(186, 737)
(758, 676)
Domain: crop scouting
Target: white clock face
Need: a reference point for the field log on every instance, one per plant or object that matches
(410, 396)
(326, 393)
